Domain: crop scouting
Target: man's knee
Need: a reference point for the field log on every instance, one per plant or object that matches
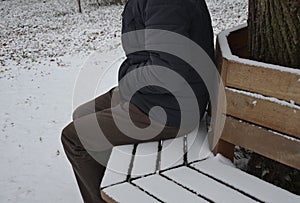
(84, 110)
(77, 113)
(68, 135)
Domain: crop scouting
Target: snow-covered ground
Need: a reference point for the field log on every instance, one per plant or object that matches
(43, 45)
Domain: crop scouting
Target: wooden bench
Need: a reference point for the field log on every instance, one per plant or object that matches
(263, 103)
(182, 170)
(185, 170)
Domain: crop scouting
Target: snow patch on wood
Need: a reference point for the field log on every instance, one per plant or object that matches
(172, 153)
(254, 103)
(166, 190)
(205, 186)
(285, 136)
(127, 193)
(118, 165)
(264, 191)
(145, 159)
(197, 144)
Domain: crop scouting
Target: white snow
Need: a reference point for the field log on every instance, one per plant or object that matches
(264, 191)
(166, 190)
(145, 159)
(43, 45)
(36, 92)
(172, 153)
(205, 186)
(197, 144)
(227, 13)
(127, 193)
(220, 158)
(285, 136)
(118, 165)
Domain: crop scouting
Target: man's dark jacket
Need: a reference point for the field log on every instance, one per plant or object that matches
(186, 17)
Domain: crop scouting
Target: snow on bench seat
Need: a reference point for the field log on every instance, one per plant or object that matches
(244, 182)
(205, 186)
(118, 165)
(145, 159)
(127, 193)
(197, 144)
(166, 190)
(172, 153)
(183, 171)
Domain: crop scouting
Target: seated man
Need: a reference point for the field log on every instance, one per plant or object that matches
(87, 147)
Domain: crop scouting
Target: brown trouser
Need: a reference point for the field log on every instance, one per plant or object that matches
(88, 171)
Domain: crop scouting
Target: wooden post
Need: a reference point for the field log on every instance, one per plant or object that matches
(225, 148)
(79, 6)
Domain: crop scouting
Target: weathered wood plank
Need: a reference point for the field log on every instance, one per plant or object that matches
(270, 82)
(166, 190)
(126, 193)
(172, 153)
(279, 82)
(225, 148)
(205, 186)
(263, 141)
(263, 111)
(145, 159)
(251, 185)
(118, 165)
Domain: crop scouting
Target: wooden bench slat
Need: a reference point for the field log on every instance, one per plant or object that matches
(263, 141)
(206, 180)
(172, 153)
(266, 81)
(145, 159)
(118, 165)
(197, 144)
(249, 184)
(206, 186)
(126, 193)
(166, 190)
(264, 111)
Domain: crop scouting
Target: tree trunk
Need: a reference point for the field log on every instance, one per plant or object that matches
(79, 6)
(274, 31)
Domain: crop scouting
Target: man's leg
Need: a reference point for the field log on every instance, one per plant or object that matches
(98, 104)
(76, 152)
(88, 171)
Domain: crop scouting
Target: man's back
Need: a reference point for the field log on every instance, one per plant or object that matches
(189, 18)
